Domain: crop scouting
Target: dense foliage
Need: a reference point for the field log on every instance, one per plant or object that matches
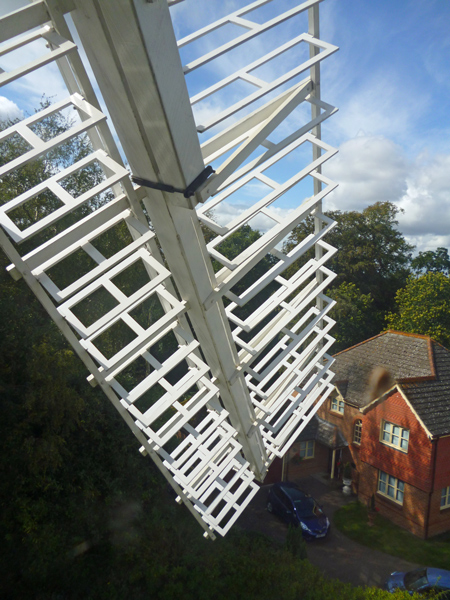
(424, 307)
(430, 261)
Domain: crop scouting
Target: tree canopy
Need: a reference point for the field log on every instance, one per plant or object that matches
(372, 253)
(352, 314)
(423, 306)
(437, 261)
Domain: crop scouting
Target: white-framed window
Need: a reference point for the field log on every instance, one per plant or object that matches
(391, 487)
(307, 449)
(357, 431)
(394, 435)
(337, 405)
(445, 497)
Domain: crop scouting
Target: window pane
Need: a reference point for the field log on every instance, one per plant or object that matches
(390, 491)
(386, 437)
(401, 485)
(405, 434)
(391, 480)
(400, 496)
(383, 476)
(404, 444)
(382, 486)
(387, 427)
(395, 440)
(396, 430)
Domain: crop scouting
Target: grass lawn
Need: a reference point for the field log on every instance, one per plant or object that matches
(391, 539)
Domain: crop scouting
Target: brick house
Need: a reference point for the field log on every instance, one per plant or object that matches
(389, 416)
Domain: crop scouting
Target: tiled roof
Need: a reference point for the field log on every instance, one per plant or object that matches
(323, 432)
(420, 365)
(431, 399)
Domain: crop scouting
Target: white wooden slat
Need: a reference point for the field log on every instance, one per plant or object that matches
(125, 303)
(284, 262)
(39, 147)
(245, 73)
(228, 278)
(126, 355)
(236, 132)
(61, 48)
(70, 237)
(274, 149)
(266, 367)
(103, 263)
(258, 135)
(287, 287)
(316, 398)
(242, 38)
(28, 17)
(281, 319)
(280, 188)
(284, 409)
(22, 20)
(70, 203)
(277, 391)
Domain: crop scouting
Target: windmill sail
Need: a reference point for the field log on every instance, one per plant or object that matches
(216, 361)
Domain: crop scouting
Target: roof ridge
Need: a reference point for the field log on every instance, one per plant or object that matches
(405, 333)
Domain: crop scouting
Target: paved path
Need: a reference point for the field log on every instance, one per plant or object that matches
(336, 556)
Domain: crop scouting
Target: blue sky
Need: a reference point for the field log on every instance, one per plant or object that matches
(391, 83)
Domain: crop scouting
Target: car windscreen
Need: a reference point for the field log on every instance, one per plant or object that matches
(415, 579)
(305, 507)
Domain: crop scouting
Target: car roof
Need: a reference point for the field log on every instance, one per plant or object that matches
(439, 577)
(290, 489)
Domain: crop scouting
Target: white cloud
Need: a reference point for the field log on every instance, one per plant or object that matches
(9, 109)
(226, 212)
(373, 169)
(427, 202)
(368, 170)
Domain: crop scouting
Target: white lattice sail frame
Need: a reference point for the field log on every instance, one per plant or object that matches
(245, 385)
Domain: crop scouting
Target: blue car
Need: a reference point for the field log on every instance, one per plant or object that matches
(421, 580)
(297, 508)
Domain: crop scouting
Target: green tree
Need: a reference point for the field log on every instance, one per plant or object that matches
(430, 261)
(372, 253)
(423, 306)
(353, 314)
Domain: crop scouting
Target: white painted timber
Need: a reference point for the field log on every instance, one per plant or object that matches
(213, 392)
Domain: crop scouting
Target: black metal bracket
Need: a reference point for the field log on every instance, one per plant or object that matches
(164, 187)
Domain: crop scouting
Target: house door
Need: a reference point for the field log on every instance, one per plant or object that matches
(337, 462)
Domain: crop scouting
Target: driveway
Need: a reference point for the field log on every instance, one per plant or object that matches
(336, 556)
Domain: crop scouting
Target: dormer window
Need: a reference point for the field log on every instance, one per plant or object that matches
(394, 435)
(337, 405)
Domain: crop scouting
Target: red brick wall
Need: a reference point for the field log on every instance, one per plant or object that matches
(439, 519)
(442, 476)
(411, 515)
(413, 467)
